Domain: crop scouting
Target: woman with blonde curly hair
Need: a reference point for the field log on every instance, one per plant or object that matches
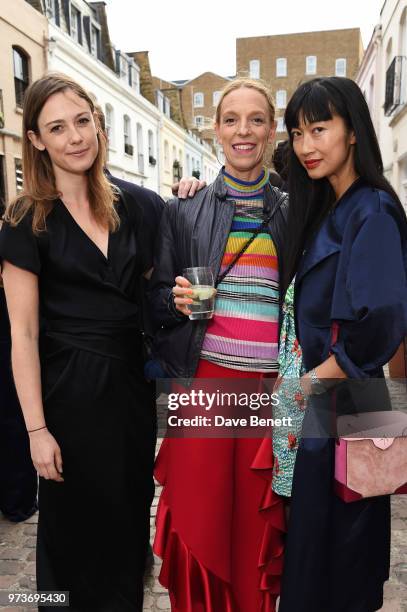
(219, 524)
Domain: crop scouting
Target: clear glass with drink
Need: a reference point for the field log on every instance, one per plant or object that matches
(203, 296)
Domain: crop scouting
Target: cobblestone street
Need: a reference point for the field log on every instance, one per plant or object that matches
(17, 562)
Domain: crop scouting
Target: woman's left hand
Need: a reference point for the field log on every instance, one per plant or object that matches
(187, 187)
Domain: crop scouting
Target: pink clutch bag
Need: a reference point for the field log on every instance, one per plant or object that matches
(373, 461)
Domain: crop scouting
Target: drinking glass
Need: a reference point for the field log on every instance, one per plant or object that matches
(203, 296)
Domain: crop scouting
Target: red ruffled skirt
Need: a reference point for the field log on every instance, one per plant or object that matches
(219, 525)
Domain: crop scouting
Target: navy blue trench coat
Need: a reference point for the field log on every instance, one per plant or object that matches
(354, 272)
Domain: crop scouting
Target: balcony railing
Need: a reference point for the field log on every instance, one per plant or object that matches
(128, 149)
(396, 84)
(176, 170)
(20, 86)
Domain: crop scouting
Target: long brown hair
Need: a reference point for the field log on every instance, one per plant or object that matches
(39, 181)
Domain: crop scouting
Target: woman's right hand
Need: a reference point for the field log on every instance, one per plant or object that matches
(46, 455)
(181, 291)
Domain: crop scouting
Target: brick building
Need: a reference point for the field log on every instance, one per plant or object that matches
(199, 99)
(285, 60)
(23, 40)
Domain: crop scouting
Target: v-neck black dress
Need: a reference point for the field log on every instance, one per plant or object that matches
(93, 529)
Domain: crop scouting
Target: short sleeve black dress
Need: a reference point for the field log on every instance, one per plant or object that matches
(93, 528)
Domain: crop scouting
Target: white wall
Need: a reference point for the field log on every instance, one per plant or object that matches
(65, 55)
(393, 132)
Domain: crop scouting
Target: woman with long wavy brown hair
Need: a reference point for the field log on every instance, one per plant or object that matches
(72, 253)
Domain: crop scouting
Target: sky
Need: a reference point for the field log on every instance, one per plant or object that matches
(185, 37)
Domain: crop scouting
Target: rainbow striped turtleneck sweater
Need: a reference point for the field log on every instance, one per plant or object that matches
(243, 333)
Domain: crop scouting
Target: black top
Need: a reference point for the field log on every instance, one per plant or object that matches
(150, 204)
(78, 284)
(4, 322)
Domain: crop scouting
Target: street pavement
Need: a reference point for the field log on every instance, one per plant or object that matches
(17, 562)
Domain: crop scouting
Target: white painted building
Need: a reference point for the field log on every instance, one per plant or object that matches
(199, 157)
(145, 146)
(383, 79)
(172, 155)
(393, 130)
(79, 47)
(370, 79)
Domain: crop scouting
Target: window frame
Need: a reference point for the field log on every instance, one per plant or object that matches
(337, 60)
(76, 24)
(215, 101)
(199, 123)
(96, 53)
(279, 93)
(18, 174)
(109, 123)
(254, 73)
(21, 82)
(200, 105)
(279, 61)
(280, 128)
(127, 135)
(315, 65)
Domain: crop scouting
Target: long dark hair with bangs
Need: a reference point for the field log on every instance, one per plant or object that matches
(311, 200)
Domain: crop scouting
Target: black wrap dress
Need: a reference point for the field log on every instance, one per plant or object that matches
(94, 527)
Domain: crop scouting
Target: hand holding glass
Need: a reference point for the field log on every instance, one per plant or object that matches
(203, 292)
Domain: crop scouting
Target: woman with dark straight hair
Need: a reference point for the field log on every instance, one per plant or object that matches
(348, 254)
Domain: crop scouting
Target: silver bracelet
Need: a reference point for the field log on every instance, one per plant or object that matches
(317, 385)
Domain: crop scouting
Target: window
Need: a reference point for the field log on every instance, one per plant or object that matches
(160, 100)
(176, 170)
(281, 98)
(109, 119)
(254, 69)
(123, 66)
(370, 100)
(133, 76)
(199, 121)
(151, 159)
(136, 80)
(50, 9)
(166, 155)
(198, 99)
(188, 165)
(403, 33)
(21, 79)
(167, 107)
(340, 67)
(311, 64)
(128, 147)
(280, 124)
(19, 174)
(140, 148)
(95, 41)
(215, 98)
(389, 52)
(197, 171)
(281, 66)
(76, 24)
